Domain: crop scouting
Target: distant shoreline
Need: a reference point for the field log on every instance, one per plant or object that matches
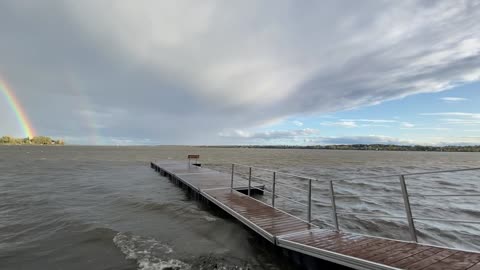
(37, 140)
(389, 148)
(363, 147)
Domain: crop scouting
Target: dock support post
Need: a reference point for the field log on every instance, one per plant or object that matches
(309, 200)
(334, 207)
(273, 189)
(408, 210)
(249, 179)
(233, 170)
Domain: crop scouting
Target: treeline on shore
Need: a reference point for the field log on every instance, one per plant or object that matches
(37, 140)
(369, 147)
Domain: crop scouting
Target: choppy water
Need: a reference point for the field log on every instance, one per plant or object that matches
(104, 208)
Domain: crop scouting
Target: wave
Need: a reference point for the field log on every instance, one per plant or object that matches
(147, 205)
(149, 253)
(209, 218)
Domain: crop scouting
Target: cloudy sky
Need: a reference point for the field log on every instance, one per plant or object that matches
(243, 72)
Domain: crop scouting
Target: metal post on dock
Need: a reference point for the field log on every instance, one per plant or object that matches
(233, 170)
(249, 179)
(408, 210)
(334, 207)
(309, 200)
(273, 189)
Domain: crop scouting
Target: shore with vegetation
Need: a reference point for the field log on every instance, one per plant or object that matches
(367, 147)
(37, 140)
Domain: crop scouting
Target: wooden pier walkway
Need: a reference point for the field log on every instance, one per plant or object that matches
(284, 230)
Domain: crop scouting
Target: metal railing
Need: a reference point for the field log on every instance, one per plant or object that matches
(402, 182)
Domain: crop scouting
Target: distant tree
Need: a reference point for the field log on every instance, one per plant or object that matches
(6, 139)
(38, 140)
(59, 142)
(41, 140)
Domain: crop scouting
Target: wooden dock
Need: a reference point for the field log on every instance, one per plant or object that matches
(289, 232)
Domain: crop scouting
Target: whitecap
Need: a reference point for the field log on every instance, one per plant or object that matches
(209, 218)
(149, 253)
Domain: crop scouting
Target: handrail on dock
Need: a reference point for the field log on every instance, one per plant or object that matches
(402, 180)
(360, 178)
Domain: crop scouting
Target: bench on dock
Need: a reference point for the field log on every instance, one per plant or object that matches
(292, 233)
(193, 157)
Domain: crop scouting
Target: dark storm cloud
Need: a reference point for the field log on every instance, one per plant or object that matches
(184, 71)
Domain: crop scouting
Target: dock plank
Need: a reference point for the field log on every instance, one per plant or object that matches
(416, 258)
(332, 242)
(269, 219)
(475, 267)
(391, 255)
(431, 260)
(204, 178)
(341, 242)
(381, 251)
(360, 244)
(400, 255)
(458, 261)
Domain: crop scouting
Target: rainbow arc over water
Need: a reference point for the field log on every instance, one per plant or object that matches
(16, 107)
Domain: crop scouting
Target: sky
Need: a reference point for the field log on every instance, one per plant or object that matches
(117, 72)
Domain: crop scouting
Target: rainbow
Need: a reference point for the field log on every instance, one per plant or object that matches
(17, 109)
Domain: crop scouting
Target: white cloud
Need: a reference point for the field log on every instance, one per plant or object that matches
(370, 139)
(269, 135)
(459, 118)
(309, 136)
(312, 137)
(354, 123)
(407, 125)
(381, 139)
(371, 120)
(453, 99)
(346, 124)
(459, 114)
(461, 121)
(427, 128)
(441, 141)
(297, 123)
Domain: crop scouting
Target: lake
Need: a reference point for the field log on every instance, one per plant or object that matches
(86, 207)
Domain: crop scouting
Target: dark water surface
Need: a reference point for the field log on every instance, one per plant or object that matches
(104, 208)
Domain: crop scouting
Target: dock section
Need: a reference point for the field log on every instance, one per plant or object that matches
(289, 232)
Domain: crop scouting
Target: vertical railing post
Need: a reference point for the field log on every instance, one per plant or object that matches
(233, 170)
(273, 189)
(309, 200)
(408, 210)
(334, 206)
(249, 180)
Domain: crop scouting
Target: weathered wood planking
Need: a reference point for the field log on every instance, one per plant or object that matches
(199, 178)
(287, 231)
(270, 220)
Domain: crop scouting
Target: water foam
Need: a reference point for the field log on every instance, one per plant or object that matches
(209, 218)
(149, 253)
